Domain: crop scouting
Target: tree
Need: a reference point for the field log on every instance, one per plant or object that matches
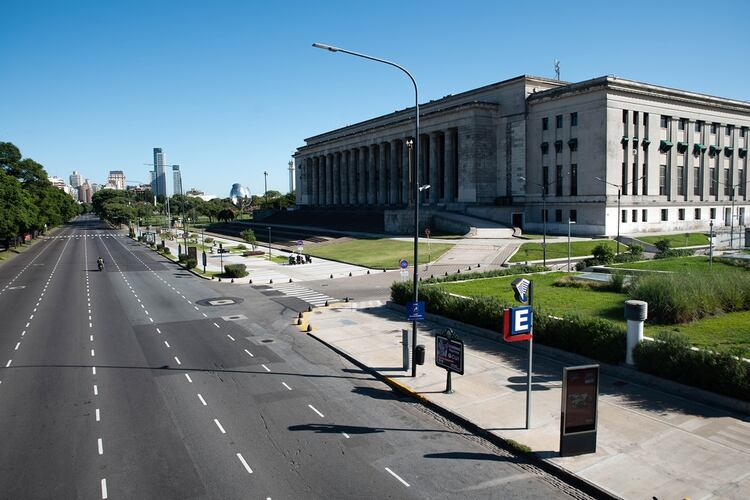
(17, 208)
(226, 215)
(603, 253)
(249, 237)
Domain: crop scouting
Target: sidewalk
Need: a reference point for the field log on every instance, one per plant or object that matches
(650, 444)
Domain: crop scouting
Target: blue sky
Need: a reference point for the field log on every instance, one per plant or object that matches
(230, 89)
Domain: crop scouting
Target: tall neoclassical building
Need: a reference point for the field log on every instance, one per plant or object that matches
(512, 150)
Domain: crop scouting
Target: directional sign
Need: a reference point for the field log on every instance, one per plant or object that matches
(449, 354)
(415, 311)
(404, 264)
(518, 323)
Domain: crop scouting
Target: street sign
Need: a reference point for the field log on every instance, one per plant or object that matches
(449, 354)
(518, 323)
(580, 397)
(415, 311)
(521, 289)
(404, 264)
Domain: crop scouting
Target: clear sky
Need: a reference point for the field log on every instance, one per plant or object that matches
(230, 89)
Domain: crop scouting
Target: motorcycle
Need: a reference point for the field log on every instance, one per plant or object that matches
(100, 264)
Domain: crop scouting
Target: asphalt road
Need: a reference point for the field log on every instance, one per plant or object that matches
(130, 383)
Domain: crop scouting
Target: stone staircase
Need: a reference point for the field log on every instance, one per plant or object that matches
(472, 227)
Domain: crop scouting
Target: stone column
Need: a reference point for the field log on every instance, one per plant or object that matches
(329, 180)
(362, 180)
(467, 185)
(395, 180)
(434, 191)
(353, 177)
(382, 173)
(450, 167)
(406, 187)
(315, 180)
(372, 174)
(344, 177)
(336, 179)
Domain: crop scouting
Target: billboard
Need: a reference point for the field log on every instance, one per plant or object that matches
(580, 398)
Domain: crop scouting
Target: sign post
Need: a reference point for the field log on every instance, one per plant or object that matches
(579, 413)
(300, 246)
(519, 325)
(427, 233)
(403, 264)
(449, 354)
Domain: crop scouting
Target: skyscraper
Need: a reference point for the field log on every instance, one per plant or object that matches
(116, 179)
(176, 179)
(159, 184)
(75, 179)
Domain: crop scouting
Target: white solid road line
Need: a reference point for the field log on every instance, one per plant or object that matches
(316, 411)
(218, 424)
(104, 488)
(284, 384)
(202, 400)
(244, 464)
(188, 378)
(100, 446)
(178, 360)
(97, 415)
(397, 477)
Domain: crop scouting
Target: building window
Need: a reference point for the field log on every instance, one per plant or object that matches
(558, 215)
(728, 130)
(664, 121)
(681, 181)
(681, 214)
(644, 215)
(634, 215)
(697, 214)
(573, 119)
(624, 216)
(713, 191)
(664, 215)
(635, 176)
(713, 213)
(574, 179)
(545, 180)
(741, 216)
(681, 124)
(741, 173)
(573, 216)
(645, 124)
(698, 126)
(644, 181)
(697, 181)
(743, 131)
(727, 182)
(558, 121)
(545, 123)
(624, 182)
(558, 181)
(714, 127)
(662, 180)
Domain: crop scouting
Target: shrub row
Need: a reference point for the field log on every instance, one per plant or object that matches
(487, 274)
(684, 297)
(671, 357)
(186, 261)
(235, 271)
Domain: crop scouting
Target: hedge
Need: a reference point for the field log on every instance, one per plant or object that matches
(235, 271)
(592, 337)
(487, 274)
(671, 357)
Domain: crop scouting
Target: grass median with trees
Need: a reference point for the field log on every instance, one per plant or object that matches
(381, 253)
(678, 240)
(535, 251)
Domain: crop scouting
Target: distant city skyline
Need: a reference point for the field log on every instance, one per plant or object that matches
(262, 89)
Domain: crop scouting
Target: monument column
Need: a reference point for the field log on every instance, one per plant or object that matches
(393, 189)
(353, 176)
(372, 175)
(329, 179)
(383, 173)
(344, 177)
(362, 179)
(406, 189)
(467, 185)
(336, 179)
(434, 191)
(315, 180)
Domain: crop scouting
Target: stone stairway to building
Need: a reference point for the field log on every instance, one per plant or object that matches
(472, 227)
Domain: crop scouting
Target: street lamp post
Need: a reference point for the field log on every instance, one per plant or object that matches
(269, 242)
(711, 244)
(544, 218)
(415, 187)
(569, 223)
(619, 212)
(265, 184)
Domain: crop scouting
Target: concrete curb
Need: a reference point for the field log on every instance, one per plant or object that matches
(506, 444)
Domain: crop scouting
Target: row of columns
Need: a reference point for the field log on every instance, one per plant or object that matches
(379, 174)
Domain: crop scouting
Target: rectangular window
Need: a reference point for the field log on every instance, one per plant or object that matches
(545, 180)
(714, 127)
(573, 119)
(664, 215)
(662, 180)
(681, 214)
(681, 181)
(574, 179)
(728, 130)
(545, 123)
(625, 116)
(741, 173)
(624, 178)
(681, 124)
(634, 215)
(741, 216)
(624, 216)
(664, 121)
(573, 216)
(697, 214)
(698, 126)
(558, 181)
(743, 131)
(727, 182)
(645, 124)
(713, 191)
(558, 121)
(644, 215)
(635, 176)
(558, 215)
(697, 181)
(644, 186)
(713, 213)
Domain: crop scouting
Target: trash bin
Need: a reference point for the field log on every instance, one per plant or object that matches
(419, 355)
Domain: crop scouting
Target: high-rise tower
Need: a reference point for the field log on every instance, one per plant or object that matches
(159, 184)
(176, 179)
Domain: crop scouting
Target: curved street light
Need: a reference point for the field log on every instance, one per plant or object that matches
(416, 190)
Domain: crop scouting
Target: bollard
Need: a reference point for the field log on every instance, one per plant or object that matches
(299, 321)
(636, 312)
(290, 280)
(232, 280)
(405, 350)
(309, 309)
(299, 315)
(309, 327)
(346, 299)
(350, 274)
(330, 277)
(368, 271)
(270, 282)
(250, 282)
(419, 355)
(326, 303)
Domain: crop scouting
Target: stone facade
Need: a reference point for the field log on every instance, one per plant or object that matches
(510, 150)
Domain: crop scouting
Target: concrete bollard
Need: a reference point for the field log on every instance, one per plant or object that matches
(636, 312)
(405, 349)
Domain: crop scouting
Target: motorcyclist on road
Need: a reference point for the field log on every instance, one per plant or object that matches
(100, 263)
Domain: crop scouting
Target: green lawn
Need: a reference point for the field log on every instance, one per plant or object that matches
(678, 240)
(378, 253)
(533, 251)
(678, 264)
(556, 300)
(726, 331)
